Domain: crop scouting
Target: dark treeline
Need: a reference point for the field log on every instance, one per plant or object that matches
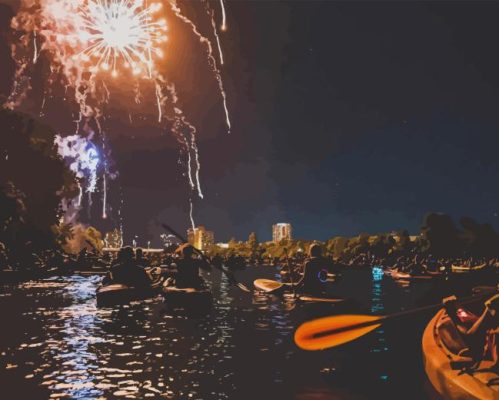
(34, 181)
(439, 236)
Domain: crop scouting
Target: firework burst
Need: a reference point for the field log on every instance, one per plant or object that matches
(121, 31)
(90, 41)
(108, 34)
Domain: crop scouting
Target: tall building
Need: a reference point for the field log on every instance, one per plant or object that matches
(200, 238)
(281, 231)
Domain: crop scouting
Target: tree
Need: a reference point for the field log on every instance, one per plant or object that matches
(114, 240)
(84, 237)
(479, 240)
(404, 244)
(440, 235)
(358, 245)
(12, 212)
(253, 245)
(336, 245)
(232, 243)
(32, 173)
(382, 245)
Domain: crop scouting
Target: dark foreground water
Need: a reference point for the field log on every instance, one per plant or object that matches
(55, 343)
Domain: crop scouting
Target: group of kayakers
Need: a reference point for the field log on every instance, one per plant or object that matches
(131, 268)
(184, 268)
(415, 263)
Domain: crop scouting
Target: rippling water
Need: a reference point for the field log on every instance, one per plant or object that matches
(56, 343)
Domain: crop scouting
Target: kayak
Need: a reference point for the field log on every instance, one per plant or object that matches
(314, 299)
(441, 345)
(187, 297)
(117, 293)
(467, 268)
(274, 287)
(405, 276)
(330, 277)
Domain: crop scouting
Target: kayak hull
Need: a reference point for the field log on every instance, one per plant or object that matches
(117, 293)
(274, 287)
(187, 297)
(438, 361)
(460, 269)
(405, 276)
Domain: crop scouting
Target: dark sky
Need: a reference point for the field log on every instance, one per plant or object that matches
(347, 117)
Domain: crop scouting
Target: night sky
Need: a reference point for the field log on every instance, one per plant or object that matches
(347, 117)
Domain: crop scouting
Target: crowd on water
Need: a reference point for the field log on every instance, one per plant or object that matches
(308, 273)
(411, 262)
(417, 263)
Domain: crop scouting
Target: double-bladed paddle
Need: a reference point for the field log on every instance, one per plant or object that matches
(323, 333)
(230, 275)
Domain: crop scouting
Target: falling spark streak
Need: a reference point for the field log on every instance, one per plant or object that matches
(104, 197)
(211, 60)
(190, 145)
(191, 209)
(104, 179)
(194, 148)
(224, 25)
(189, 167)
(35, 48)
(217, 38)
(196, 155)
(80, 194)
(158, 101)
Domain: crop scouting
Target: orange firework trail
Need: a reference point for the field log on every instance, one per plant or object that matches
(215, 33)
(93, 41)
(211, 58)
(224, 23)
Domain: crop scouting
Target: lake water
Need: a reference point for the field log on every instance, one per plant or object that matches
(55, 343)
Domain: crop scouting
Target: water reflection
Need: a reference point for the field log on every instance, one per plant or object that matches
(62, 345)
(379, 341)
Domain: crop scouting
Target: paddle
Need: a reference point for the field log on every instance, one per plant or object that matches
(333, 331)
(320, 299)
(290, 272)
(270, 286)
(229, 274)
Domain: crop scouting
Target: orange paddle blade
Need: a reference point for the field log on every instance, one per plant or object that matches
(332, 331)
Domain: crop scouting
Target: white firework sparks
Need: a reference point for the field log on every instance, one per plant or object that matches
(82, 157)
(120, 32)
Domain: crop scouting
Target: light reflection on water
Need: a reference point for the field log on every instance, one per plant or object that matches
(61, 342)
(378, 307)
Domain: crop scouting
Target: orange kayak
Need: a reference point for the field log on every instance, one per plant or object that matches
(443, 365)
